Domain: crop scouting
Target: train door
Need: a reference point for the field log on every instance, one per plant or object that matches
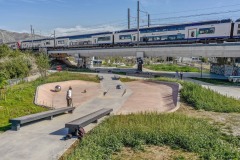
(192, 33)
(134, 37)
(95, 40)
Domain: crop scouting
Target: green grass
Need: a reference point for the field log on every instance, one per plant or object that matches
(124, 66)
(120, 73)
(171, 67)
(127, 79)
(217, 81)
(80, 70)
(206, 99)
(19, 101)
(175, 130)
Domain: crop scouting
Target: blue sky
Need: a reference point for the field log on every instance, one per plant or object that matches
(80, 16)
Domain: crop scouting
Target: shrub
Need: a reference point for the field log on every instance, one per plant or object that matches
(175, 130)
(206, 99)
(171, 67)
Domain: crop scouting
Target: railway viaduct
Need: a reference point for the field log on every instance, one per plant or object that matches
(185, 50)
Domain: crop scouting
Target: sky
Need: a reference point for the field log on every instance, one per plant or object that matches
(69, 17)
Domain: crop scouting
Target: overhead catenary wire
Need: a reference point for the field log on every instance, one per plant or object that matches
(196, 15)
(194, 10)
(119, 24)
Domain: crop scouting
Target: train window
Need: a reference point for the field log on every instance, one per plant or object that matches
(171, 37)
(47, 43)
(193, 34)
(164, 38)
(150, 39)
(238, 32)
(122, 37)
(207, 30)
(157, 38)
(61, 42)
(238, 25)
(104, 38)
(180, 36)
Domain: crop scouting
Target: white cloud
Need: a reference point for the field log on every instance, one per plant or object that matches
(85, 30)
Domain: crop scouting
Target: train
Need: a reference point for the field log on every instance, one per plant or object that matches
(214, 31)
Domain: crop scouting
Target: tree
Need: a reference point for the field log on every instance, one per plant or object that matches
(3, 80)
(42, 61)
(3, 83)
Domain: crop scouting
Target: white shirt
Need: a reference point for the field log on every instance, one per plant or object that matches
(69, 93)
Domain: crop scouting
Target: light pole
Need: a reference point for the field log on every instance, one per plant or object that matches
(201, 65)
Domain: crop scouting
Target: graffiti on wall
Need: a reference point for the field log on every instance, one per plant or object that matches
(226, 70)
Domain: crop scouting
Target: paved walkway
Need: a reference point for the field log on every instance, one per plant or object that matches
(42, 140)
(230, 91)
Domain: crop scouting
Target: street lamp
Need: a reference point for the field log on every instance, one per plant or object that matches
(201, 65)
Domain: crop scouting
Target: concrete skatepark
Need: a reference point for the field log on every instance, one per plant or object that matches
(44, 139)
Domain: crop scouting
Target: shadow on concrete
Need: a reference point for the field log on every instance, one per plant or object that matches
(5, 128)
(60, 132)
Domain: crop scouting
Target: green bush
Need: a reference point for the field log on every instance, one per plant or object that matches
(202, 98)
(171, 67)
(127, 79)
(206, 99)
(174, 130)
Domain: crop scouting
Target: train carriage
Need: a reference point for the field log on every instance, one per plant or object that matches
(27, 44)
(103, 39)
(209, 31)
(80, 40)
(13, 45)
(125, 37)
(236, 30)
(62, 42)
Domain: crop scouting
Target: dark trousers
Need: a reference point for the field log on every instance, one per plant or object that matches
(69, 102)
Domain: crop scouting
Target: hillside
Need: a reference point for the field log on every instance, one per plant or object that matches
(7, 36)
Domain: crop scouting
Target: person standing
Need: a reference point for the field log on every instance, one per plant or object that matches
(181, 75)
(69, 97)
(177, 75)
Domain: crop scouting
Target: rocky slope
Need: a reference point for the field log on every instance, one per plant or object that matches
(7, 36)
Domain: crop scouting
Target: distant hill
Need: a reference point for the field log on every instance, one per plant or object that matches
(7, 36)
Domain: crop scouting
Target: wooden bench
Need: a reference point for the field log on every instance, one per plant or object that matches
(116, 77)
(100, 78)
(86, 120)
(17, 122)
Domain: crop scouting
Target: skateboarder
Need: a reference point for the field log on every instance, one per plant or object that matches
(69, 97)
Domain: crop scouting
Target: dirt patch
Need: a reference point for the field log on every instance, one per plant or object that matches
(47, 97)
(150, 97)
(228, 122)
(153, 153)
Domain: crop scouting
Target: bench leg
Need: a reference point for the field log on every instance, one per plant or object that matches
(70, 111)
(49, 118)
(15, 127)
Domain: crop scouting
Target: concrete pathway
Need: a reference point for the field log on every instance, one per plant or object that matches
(186, 74)
(43, 140)
(230, 91)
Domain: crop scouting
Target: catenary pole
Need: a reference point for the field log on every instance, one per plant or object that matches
(149, 20)
(31, 35)
(54, 39)
(138, 21)
(129, 18)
